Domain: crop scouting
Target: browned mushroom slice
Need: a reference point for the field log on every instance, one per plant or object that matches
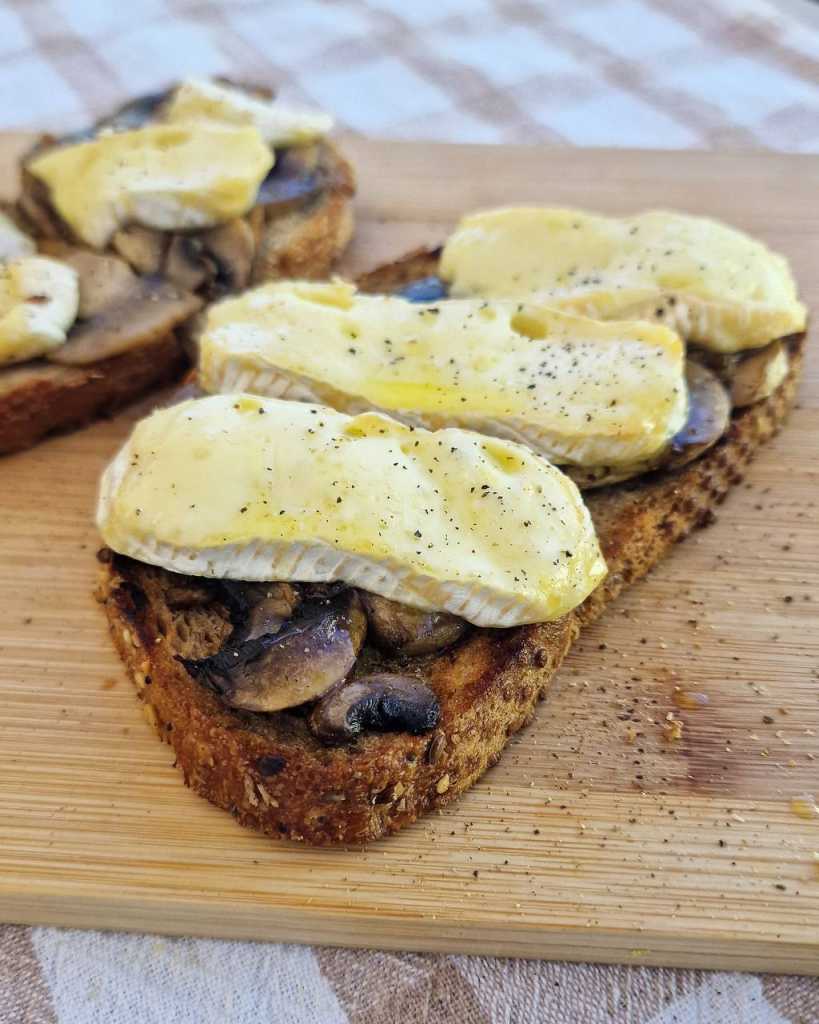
(257, 609)
(294, 178)
(383, 702)
(221, 257)
(104, 281)
(134, 114)
(400, 629)
(186, 263)
(35, 206)
(709, 412)
(314, 650)
(150, 310)
(759, 374)
(142, 248)
(231, 248)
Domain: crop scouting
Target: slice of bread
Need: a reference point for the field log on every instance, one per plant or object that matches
(299, 233)
(272, 773)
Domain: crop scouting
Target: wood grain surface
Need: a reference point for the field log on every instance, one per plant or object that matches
(598, 837)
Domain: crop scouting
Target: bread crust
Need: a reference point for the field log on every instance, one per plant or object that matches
(40, 398)
(273, 775)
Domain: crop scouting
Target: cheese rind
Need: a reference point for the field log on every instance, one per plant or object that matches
(161, 176)
(715, 285)
(199, 100)
(573, 389)
(251, 488)
(39, 299)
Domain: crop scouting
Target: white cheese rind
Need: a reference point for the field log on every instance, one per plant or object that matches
(443, 521)
(39, 298)
(715, 285)
(279, 124)
(575, 390)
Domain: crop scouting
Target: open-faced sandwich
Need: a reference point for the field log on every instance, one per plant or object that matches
(174, 200)
(387, 499)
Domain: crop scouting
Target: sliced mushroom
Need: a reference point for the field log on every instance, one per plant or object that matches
(400, 629)
(709, 412)
(383, 702)
(36, 209)
(257, 609)
(313, 650)
(186, 263)
(105, 281)
(133, 114)
(231, 248)
(142, 248)
(221, 257)
(758, 375)
(294, 178)
(146, 313)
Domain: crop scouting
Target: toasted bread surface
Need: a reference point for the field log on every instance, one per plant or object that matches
(270, 771)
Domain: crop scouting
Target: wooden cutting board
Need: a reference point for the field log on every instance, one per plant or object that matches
(596, 838)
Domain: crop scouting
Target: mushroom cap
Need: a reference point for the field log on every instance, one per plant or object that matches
(384, 701)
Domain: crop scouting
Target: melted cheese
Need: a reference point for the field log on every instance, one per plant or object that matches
(239, 487)
(198, 101)
(161, 176)
(38, 304)
(715, 285)
(573, 389)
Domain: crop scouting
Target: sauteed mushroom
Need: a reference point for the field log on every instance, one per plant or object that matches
(709, 412)
(400, 629)
(311, 652)
(384, 702)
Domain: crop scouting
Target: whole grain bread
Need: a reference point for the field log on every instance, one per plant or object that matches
(302, 238)
(270, 771)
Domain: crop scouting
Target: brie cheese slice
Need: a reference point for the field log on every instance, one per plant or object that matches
(39, 298)
(715, 285)
(161, 176)
(249, 488)
(575, 390)
(279, 124)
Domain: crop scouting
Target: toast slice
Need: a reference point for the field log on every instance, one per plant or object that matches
(298, 231)
(271, 772)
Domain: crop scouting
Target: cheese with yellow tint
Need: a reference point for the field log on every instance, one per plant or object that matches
(573, 389)
(715, 285)
(200, 100)
(161, 176)
(250, 488)
(39, 299)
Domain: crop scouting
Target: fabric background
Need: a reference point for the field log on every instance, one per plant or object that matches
(677, 74)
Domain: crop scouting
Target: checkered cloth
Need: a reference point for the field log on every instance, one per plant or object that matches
(682, 73)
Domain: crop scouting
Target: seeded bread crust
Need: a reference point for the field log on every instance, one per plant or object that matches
(272, 774)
